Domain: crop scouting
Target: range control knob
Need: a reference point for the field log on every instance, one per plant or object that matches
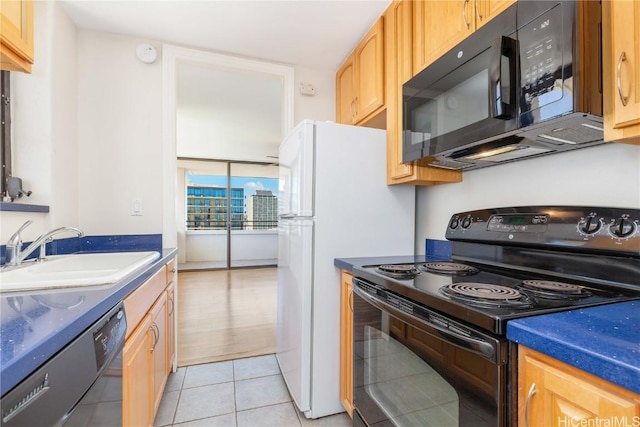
(454, 223)
(622, 227)
(590, 225)
(466, 223)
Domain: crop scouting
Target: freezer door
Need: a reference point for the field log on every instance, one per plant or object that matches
(294, 324)
(295, 192)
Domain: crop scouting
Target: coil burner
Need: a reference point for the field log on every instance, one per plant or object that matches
(554, 290)
(399, 271)
(449, 268)
(486, 294)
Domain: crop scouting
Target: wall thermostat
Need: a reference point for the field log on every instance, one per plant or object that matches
(146, 53)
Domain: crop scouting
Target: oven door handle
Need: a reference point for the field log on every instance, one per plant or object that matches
(475, 345)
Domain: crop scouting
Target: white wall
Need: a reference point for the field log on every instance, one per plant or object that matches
(247, 245)
(120, 130)
(607, 175)
(119, 136)
(44, 109)
(87, 129)
(322, 105)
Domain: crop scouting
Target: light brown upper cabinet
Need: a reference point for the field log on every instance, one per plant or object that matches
(440, 25)
(360, 81)
(398, 69)
(16, 35)
(621, 70)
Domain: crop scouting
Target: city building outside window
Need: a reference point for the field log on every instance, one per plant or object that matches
(254, 206)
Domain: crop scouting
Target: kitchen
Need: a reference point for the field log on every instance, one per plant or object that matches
(75, 70)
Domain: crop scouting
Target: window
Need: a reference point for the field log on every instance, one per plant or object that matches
(249, 203)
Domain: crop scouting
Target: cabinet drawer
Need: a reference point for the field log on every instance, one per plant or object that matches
(171, 270)
(137, 304)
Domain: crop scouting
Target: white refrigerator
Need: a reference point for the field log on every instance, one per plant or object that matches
(333, 202)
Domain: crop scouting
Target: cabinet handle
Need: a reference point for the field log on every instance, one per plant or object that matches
(355, 104)
(623, 99)
(156, 336)
(464, 13)
(171, 306)
(477, 12)
(532, 391)
(350, 301)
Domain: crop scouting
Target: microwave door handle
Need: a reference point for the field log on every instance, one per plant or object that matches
(504, 82)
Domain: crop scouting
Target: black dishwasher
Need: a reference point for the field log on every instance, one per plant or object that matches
(80, 385)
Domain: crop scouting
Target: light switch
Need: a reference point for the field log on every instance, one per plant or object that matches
(136, 207)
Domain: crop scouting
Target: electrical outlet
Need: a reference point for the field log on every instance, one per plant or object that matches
(136, 207)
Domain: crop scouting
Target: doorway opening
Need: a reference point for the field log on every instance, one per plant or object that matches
(230, 313)
(200, 132)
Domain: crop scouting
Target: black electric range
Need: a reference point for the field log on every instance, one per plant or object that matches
(514, 262)
(429, 338)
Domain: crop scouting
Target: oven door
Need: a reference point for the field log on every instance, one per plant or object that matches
(416, 367)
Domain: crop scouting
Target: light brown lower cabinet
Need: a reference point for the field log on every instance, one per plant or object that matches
(159, 348)
(171, 326)
(137, 369)
(172, 304)
(147, 354)
(553, 393)
(346, 342)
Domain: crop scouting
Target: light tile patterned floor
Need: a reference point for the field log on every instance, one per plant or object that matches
(241, 393)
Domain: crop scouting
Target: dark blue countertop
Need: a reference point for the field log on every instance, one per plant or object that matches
(50, 319)
(603, 340)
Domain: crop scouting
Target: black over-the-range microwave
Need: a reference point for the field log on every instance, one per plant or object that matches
(526, 84)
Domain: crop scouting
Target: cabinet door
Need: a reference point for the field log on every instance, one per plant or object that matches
(159, 348)
(171, 326)
(137, 373)
(369, 77)
(346, 342)
(398, 36)
(345, 93)
(552, 393)
(621, 70)
(484, 10)
(398, 63)
(172, 307)
(437, 27)
(16, 35)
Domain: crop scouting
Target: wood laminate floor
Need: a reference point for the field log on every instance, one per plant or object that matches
(226, 315)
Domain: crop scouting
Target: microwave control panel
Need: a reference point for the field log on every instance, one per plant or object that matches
(545, 62)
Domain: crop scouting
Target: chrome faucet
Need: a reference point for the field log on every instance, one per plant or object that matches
(14, 245)
(15, 254)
